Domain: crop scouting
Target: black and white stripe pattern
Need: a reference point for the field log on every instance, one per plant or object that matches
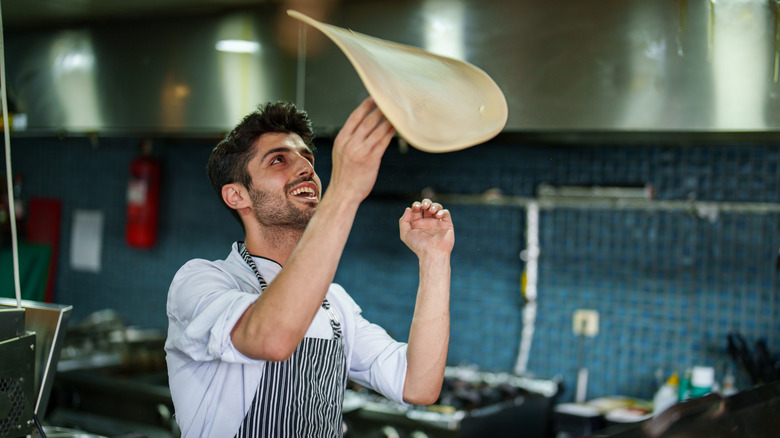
(335, 324)
(248, 259)
(302, 396)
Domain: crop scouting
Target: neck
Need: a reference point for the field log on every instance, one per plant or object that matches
(276, 243)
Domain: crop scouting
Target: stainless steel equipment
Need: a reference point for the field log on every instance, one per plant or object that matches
(49, 323)
(17, 375)
(471, 404)
(112, 380)
(565, 66)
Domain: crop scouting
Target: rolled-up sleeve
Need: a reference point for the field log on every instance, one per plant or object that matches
(378, 361)
(205, 303)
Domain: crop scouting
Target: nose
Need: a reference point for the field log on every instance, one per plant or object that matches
(304, 167)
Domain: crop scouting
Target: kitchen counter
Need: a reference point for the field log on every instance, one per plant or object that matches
(751, 413)
(109, 402)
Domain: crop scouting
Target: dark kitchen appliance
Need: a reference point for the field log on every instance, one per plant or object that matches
(472, 404)
(30, 341)
(17, 375)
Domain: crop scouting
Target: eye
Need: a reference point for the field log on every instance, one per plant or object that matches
(277, 159)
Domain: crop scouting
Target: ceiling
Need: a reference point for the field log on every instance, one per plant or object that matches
(44, 13)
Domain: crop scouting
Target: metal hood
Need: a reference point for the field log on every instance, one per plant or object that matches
(564, 66)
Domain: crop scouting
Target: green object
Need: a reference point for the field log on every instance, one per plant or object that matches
(697, 391)
(684, 391)
(34, 261)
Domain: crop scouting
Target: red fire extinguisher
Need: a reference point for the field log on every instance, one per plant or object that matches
(143, 199)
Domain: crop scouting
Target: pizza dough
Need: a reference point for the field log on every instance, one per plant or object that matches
(437, 104)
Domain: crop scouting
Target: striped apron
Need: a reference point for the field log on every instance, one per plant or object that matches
(303, 395)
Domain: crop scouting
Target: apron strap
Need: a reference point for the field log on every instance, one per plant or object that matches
(249, 261)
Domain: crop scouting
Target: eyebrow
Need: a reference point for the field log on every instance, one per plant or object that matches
(306, 151)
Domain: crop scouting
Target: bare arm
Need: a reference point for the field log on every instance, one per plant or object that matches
(274, 325)
(427, 230)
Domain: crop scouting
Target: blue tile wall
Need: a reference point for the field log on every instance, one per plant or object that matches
(668, 285)
(92, 175)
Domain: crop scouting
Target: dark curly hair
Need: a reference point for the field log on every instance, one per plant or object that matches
(229, 158)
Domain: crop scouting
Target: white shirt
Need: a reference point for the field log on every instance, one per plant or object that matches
(212, 384)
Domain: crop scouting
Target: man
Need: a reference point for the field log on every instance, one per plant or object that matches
(262, 343)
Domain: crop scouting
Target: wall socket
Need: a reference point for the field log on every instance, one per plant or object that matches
(585, 322)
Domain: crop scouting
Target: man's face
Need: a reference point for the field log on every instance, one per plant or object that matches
(285, 189)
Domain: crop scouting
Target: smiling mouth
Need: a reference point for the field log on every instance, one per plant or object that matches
(304, 192)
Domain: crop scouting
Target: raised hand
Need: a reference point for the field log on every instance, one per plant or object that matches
(358, 150)
(426, 228)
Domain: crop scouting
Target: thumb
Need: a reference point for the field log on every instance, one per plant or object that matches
(405, 222)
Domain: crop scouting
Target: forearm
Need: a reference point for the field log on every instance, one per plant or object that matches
(274, 325)
(429, 334)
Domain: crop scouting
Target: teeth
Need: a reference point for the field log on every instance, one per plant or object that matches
(301, 190)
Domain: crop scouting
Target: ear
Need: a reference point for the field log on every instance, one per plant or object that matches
(235, 196)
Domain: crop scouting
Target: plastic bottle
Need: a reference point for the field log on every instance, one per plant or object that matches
(729, 384)
(702, 379)
(667, 395)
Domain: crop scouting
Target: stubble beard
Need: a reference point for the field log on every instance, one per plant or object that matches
(275, 212)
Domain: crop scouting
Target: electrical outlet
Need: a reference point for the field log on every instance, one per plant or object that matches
(585, 322)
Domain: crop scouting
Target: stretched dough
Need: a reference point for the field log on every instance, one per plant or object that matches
(437, 104)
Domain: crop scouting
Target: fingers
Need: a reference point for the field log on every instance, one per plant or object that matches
(428, 208)
(405, 222)
(367, 124)
(358, 149)
(357, 115)
(426, 228)
(382, 133)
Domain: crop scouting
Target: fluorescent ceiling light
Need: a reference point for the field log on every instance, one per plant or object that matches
(238, 46)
